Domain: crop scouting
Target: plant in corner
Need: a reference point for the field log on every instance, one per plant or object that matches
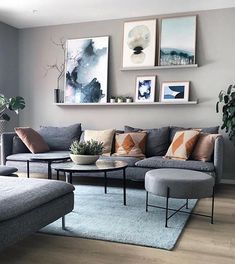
(84, 153)
(13, 104)
(227, 98)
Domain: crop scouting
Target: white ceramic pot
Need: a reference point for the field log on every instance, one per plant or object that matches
(112, 100)
(120, 100)
(84, 159)
(128, 100)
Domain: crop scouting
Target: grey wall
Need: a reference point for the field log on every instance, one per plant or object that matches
(216, 58)
(9, 65)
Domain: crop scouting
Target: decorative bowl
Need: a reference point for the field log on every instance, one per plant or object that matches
(84, 159)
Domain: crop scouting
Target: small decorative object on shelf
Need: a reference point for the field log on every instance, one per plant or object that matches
(178, 41)
(112, 99)
(145, 89)
(13, 104)
(174, 92)
(85, 153)
(227, 98)
(120, 99)
(129, 99)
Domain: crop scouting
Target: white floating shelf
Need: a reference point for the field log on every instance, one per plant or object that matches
(129, 104)
(159, 67)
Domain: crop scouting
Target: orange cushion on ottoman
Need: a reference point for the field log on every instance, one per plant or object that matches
(32, 139)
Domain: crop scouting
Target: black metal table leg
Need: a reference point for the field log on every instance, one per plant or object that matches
(212, 206)
(71, 177)
(167, 201)
(49, 170)
(147, 198)
(124, 186)
(57, 175)
(105, 182)
(186, 205)
(27, 168)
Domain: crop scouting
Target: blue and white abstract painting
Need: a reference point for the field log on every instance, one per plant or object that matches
(145, 88)
(86, 70)
(175, 91)
(178, 40)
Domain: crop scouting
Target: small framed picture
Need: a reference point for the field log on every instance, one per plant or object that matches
(145, 89)
(174, 91)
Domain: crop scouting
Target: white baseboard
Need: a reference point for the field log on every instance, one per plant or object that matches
(227, 181)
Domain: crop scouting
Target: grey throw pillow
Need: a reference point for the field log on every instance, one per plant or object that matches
(157, 140)
(60, 138)
(18, 146)
(209, 130)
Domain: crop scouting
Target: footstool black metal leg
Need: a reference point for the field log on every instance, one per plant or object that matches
(63, 222)
(124, 186)
(105, 182)
(167, 200)
(147, 198)
(57, 175)
(186, 204)
(212, 206)
(49, 170)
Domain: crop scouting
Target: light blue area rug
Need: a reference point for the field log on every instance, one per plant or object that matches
(103, 216)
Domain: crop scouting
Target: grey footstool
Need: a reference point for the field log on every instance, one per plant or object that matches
(181, 184)
(7, 171)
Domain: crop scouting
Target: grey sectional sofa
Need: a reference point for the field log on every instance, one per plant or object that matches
(158, 141)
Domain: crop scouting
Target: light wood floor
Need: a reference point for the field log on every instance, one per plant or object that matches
(201, 242)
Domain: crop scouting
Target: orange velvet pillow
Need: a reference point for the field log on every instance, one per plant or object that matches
(205, 146)
(32, 140)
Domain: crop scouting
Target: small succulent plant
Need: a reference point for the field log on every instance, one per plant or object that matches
(90, 147)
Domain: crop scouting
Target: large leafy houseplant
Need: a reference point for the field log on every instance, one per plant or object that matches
(13, 104)
(227, 99)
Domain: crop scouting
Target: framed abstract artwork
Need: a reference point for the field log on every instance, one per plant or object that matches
(86, 70)
(139, 43)
(145, 89)
(177, 41)
(174, 91)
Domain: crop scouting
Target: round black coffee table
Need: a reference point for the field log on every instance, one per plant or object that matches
(100, 166)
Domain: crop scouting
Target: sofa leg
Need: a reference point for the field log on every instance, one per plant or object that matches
(212, 206)
(167, 201)
(63, 222)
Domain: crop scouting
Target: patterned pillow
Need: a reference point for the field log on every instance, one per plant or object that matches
(130, 144)
(182, 144)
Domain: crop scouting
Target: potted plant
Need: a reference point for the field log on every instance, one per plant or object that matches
(13, 104)
(129, 99)
(84, 153)
(112, 99)
(227, 98)
(120, 99)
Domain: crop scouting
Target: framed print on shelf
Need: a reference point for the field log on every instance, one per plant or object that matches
(86, 70)
(177, 41)
(174, 91)
(139, 43)
(145, 89)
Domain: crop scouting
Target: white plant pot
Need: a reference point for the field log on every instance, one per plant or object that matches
(112, 101)
(120, 101)
(3, 126)
(128, 100)
(84, 159)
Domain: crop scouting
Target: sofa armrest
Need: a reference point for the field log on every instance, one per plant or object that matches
(6, 148)
(218, 157)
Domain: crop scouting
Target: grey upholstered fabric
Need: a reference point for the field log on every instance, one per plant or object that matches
(160, 162)
(60, 138)
(18, 146)
(6, 170)
(27, 156)
(210, 130)
(157, 140)
(6, 148)
(181, 183)
(218, 158)
(20, 195)
(26, 224)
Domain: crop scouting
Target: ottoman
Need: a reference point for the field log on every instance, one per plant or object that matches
(7, 171)
(180, 184)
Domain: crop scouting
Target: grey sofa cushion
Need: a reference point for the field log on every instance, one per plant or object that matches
(129, 160)
(18, 146)
(28, 156)
(160, 162)
(210, 130)
(20, 195)
(6, 170)
(157, 140)
(60, 138)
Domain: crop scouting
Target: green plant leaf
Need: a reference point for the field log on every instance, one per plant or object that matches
(226, 99)
(217, 107)
(229, 89)
(16, 103)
